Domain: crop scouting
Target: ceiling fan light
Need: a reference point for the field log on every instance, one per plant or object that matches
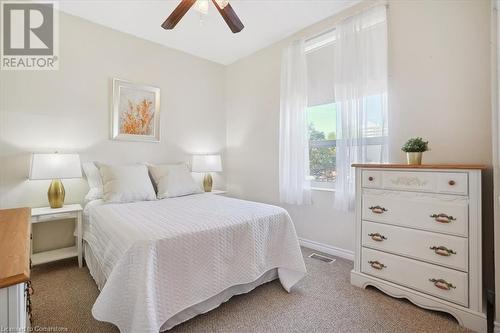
(202, 6)
(223, 7)
(222, 3)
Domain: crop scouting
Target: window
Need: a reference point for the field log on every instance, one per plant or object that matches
(321, 111)
(374, 131)
(322, 116)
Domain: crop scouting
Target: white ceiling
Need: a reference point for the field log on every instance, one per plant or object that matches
(266, 22)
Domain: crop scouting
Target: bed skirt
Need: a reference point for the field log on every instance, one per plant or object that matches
(193, 311)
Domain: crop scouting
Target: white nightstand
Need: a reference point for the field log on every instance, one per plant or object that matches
(47, 214)
(218, 192)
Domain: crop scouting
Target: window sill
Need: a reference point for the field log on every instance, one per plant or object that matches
(322, 189)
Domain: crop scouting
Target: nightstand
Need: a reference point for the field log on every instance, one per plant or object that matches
(47, 214)
(219, 192)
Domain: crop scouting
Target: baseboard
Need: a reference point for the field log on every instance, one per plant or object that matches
(328, 249)
(497, 327)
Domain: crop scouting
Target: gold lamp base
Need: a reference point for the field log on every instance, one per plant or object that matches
(207, 182)
(56, 194)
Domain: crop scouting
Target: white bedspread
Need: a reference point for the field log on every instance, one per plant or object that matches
(161, 257)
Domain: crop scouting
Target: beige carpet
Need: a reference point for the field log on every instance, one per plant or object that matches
(322, 302)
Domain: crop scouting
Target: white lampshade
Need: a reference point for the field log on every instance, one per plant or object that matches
(207, 163)
(55, 166)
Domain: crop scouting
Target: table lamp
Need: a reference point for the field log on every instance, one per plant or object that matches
(55, 167)
(207, 164)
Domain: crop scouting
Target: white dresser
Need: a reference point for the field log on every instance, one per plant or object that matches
(15, 286)
(418, 236)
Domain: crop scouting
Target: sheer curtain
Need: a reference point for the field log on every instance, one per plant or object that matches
(361, 97)
(294, 141)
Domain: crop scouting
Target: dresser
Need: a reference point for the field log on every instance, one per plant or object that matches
(418, 236)
(15, 231)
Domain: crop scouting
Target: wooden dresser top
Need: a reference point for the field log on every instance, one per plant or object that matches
(423, 166)
(15, 231)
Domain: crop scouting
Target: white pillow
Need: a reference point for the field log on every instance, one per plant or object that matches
(173, 180)
(126, 183)
(94, 179)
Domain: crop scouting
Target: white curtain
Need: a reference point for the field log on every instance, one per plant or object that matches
(361, 97)
(294, 141)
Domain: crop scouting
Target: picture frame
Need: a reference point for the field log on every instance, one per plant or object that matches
(135, 112)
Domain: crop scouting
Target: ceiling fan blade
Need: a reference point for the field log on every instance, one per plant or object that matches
(228, 14)
(177, 14)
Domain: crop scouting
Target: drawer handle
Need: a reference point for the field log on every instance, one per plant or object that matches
(451, 182)
(29, 288)
(28, 292)
(443, 251)
(377, 265)
(371, 178)
(443, 218)
(442, 284)
(377, 237)
(377, 209)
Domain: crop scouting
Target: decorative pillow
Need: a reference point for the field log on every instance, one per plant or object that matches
(173, 180)
(94, 179)
(126, 183)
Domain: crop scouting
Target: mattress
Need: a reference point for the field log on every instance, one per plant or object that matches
(160, 259)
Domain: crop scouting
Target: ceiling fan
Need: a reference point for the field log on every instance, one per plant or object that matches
(223, 7)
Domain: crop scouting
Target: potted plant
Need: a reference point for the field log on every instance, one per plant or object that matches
(414, 149)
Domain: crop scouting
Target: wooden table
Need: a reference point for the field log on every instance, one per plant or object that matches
(15, 291)
(15, 231)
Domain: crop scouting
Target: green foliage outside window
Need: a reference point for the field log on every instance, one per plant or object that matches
(322, 159)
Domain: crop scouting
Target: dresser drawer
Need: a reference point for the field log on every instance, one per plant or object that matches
(438, 182)
(445, 283)
(13, 308)
(371, 179)
(452, 183)
(450, 251)
(432, 212)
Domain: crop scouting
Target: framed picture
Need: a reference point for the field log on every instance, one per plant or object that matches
(135, 112)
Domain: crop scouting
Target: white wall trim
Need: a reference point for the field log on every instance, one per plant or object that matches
(496, 329)
(328, 249)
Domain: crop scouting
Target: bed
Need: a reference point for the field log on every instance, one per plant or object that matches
(160, 263)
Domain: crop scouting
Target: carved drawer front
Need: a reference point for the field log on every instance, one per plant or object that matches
(413, 181)
(445, 283)
(438, 182)
(445, 250)
(432, 212)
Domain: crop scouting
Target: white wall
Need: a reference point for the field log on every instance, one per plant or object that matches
(439, 81)
(68, 110)
(439, 68)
